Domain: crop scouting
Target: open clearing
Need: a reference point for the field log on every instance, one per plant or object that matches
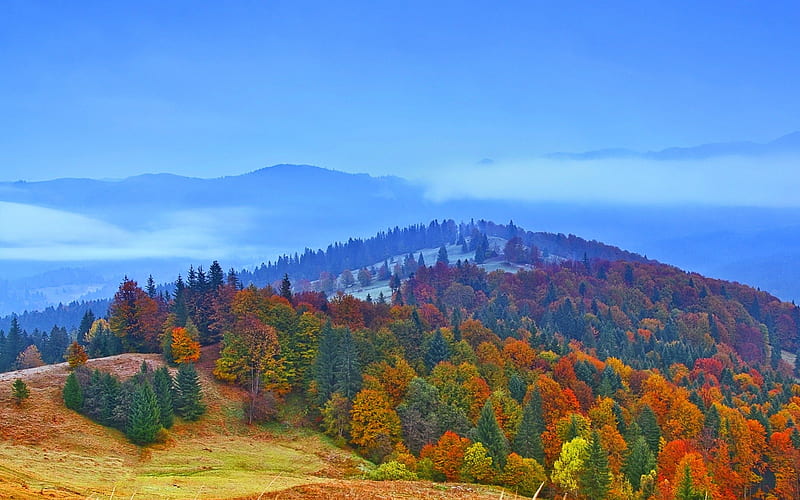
(47, 451)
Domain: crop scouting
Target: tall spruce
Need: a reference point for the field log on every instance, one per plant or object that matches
(73, 393)
(488, 432)
(86, 324)
(325, 365)
(188, 400)
(348, 369)
(144, 420)
(639, 462)
(286, 288)
(650, 429)
(162, 386)
(438, 351)
(528, 440)
(595, 480)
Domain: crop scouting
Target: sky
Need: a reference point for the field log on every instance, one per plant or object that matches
(417, 89)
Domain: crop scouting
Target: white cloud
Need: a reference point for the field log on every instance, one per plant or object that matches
(740, 181)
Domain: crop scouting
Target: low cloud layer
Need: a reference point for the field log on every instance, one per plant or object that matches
(727, 181)
(29, 232)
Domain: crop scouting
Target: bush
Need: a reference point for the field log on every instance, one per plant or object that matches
(392, 471)
(261, 408)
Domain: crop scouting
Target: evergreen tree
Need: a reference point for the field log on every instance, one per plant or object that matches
(188, 400)
(438, 351)
(216, 276)
(286, 288)
(595, 479)
(13, 345)
(162, 386)
(348, 369)
(85, 326)
(150, 288)
(650, 429)
(325, 365)
(528, 441)
(685, 489)
(517, 387)
(19, 391)
(489, 433)
(442, 256)
(640, 461)
(144, 420)
(73, 393)
(421, 261)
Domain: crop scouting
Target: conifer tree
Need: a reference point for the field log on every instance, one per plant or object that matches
(144, 420)
(325, 365)
(650, 429)
(640, 461)
(19, 391)
(85, 326)
(442, 256)
(438, 351)
(73, 393)
(286, 288)
(162, 386)
(216, 276)
(528, 441)
(685, 489)
(150, 287)
(188, 400)
(595, 479)
(348, 370)
(489, 433)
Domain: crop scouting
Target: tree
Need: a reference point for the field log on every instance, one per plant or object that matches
(478, 464)
(184, 348)
(150, 288)
(570, 465)
(188, 395)
(162, 386)
(286, 288)
(347, 367)
(19, 391)
(438, 350)
(448, 454)
(640, 462)
(76, 355)
(489, 433)
(364, 276)
(650, 429)
(685, 489)
(29, 358)
(135, 318)
(442, 256)
(144, 421)
(528, 440)
(595, 480)
(374, 424)
(86, 324)
(73, 393)
(346, 279)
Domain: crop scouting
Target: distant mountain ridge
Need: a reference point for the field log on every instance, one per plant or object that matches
(789, 143)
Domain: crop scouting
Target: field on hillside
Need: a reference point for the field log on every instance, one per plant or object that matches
(47, 451)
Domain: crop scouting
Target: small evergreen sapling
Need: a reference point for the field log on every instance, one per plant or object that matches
(20, 391)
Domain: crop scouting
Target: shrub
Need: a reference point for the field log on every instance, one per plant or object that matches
(392, 471)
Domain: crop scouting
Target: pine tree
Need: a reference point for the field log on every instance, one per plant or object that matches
(442, 256)
(85, 326)
(188, 400)
(150, 287)
(20, 391)
(216, 276)
(438, 351)
(640, 461)
(286, 288)
(325, 365)
(528, 441)
(144, 420)
(489, 433)
(73, 393)
(421, 261)
(685, 489)
(162, 386)
(650, 429)
(348, 370)
(596, 478)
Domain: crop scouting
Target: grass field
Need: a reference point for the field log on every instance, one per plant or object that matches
(47, 451)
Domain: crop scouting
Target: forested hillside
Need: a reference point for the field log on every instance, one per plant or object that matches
(599, 378)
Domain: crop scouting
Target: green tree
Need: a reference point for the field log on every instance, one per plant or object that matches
(442, 256)
(86, 324)
(162, 386)
(20, 391)
(286, 288)
(640, 461)
(489, 433)
(438, 351)
(569, 466)
(528, 441)
(144, 420)
(188, 400)
(686, 489)
(595, 480)
(650, 429)
(348, 370)
(73, 393)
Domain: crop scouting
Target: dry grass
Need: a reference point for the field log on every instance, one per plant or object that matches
(47, 451)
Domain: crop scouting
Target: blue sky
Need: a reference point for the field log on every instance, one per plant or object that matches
(112, 89)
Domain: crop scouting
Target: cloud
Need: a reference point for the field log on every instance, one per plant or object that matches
(728, 181)
(29, 232)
